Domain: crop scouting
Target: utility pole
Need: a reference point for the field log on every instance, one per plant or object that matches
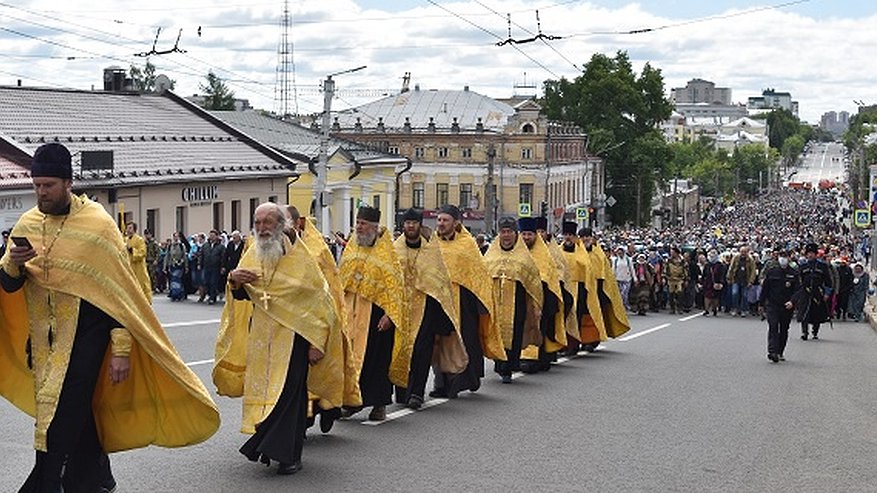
(490, 207)
(323, 161)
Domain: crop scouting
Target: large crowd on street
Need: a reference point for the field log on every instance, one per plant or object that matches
(314, 330)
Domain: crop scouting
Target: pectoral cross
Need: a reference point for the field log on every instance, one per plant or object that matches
(264, 299)
(502, 280)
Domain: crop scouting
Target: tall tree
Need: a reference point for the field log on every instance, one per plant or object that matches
(217, 95)
(620, 111)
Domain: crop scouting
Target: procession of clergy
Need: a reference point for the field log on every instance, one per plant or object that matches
(302, 337)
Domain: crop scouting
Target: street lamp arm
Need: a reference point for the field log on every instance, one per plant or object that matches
(357, 69)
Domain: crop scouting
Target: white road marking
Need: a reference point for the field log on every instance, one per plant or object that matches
(647, 331)
(435, 402)
(686, 319)
(191, 323)
(202, 362)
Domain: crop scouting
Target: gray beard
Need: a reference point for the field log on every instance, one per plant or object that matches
(270, 250)
(366, 240)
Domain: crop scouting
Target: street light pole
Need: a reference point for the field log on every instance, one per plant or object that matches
(323, 160)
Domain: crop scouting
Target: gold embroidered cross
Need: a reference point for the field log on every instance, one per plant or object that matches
(264, 299)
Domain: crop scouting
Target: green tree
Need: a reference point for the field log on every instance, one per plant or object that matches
(144, 78)
(782, 124)
(217, 95)
(620, 111)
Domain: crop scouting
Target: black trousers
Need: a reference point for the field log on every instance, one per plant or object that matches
(374, 379)
(778, 321)
(74, 450)
(814, 329)
(435, 323)
(280, 437)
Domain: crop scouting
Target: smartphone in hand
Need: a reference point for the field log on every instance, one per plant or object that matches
(21, 241)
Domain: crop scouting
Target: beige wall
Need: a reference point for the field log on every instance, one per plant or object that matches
(197, 210)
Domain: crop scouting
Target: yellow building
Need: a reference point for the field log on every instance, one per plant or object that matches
(458, 141)
(357, 175)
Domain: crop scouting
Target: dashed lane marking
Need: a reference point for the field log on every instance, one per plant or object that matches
(202, 362)
(438, 401)
(686, 319)
(647, 331)
(190, 323)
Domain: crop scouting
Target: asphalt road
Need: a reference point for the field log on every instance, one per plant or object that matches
(824, 161)
(680, 404)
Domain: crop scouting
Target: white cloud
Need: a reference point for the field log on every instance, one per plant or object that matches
(824, 63)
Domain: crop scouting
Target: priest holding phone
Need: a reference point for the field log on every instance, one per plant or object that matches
(80, 348)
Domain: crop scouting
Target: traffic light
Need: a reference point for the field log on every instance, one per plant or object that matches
(543, 208)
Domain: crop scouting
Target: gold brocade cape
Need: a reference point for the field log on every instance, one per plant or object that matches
(507, 268)
(467, 269)
(136, 246)
(254, 343)
(162, 402)
(338, 344)
(591, 328)
(550, 276)
(426, 274)
(374, 273)
(617, 323)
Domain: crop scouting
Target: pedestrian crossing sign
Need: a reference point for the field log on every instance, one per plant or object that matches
(582, 213)
(524, 210)
(863, 218)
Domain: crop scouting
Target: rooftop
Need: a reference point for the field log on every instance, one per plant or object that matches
(150, 136)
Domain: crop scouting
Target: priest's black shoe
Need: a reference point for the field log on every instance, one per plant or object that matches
(506, 378)
(438, 392)
(287, 469)
(414, 402)
(773, 357)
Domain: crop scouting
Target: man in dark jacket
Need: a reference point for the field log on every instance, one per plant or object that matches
(777, 292)
(232, 255)
(811, 300)
(212, 254)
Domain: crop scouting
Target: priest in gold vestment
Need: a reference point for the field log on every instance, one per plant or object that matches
(136, 247)
(338, 348)
(518, 292)
(589, 329)
(473, 294)
(275, 323)
(611, 304)
(80, 347)
(538, 357)
(377, 312)
(432, 307)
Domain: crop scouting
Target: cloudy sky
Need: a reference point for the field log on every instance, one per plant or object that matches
(822, 51)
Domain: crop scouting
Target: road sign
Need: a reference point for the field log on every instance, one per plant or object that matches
(524, 210)
(611, 201)
(582, 213)
(863, 218)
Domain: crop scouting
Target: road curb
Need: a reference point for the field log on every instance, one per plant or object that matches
(871, 312)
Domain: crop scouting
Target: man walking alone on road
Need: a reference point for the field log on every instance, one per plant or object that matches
(777, 291)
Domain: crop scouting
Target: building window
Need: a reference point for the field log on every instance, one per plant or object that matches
(442, 152)
(527, 128)
(466, 195)
(418, 195)
(525, 192)
(376, 201)
(218, 215)
(253, 204)
(394, 150)
(466, 152)
(180, 219)
(272, 199)
(235, 215)
(441, 194)
(526, 153)
(152, 223)
(419, 152)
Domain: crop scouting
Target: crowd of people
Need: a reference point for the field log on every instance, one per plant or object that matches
(310, 335)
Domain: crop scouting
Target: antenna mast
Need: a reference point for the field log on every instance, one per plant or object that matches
(283, 86)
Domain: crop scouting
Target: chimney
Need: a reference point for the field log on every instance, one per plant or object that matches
(465, 88)
(19, 82)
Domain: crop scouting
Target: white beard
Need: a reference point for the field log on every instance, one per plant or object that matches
(269, 250)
